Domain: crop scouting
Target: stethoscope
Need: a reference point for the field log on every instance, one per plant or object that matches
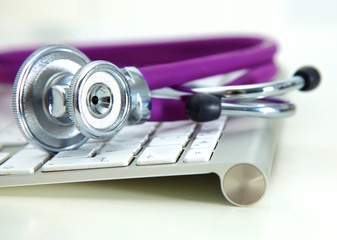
(61, 98)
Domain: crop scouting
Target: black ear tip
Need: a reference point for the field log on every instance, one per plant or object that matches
(203, 107)
(311, 76)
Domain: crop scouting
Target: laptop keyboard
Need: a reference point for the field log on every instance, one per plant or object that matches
(147, 144)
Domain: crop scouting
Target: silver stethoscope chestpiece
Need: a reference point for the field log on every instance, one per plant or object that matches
(60, 98)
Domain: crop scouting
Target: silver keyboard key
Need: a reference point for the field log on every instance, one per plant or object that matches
(198, 155)
(214, 133)
(85, 151)
(160, 155)
(177, 128)
(137, 129)
(204, 143)
(140, 138)
(169, 140)
(115, 159)
(137, 133)
(112, 146)
(134, 134)
(26, 161)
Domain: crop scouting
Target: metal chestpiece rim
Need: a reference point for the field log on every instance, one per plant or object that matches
(96, 116)
(60, 98)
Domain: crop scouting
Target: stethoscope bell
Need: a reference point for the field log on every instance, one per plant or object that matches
(61, 99)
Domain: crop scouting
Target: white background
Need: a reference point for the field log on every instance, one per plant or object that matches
(301, 200)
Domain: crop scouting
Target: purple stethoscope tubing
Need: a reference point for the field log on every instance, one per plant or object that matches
(171, 64)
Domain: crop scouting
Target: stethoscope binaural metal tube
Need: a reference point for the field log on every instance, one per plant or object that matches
(250, 100)
(239, 100)
(255, 109)
(254, 91)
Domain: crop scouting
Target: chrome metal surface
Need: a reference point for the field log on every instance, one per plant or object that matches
(60, 98)
(46, 67)
(56, 104)
(252, 91)
(260, 108)
(244, 184)
(140, 110)
(98, 100)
